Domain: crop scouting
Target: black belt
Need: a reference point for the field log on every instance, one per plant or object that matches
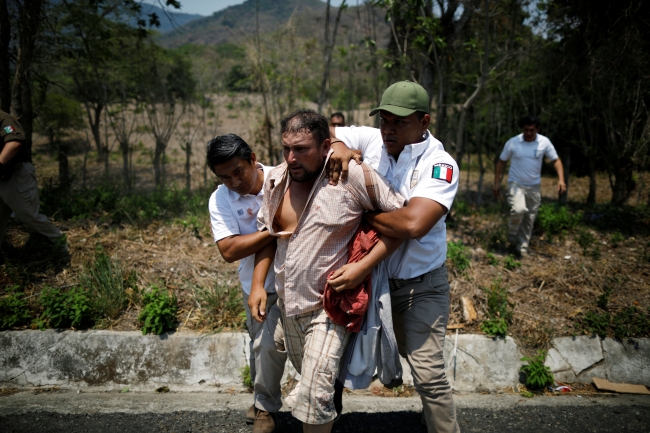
(396, 284)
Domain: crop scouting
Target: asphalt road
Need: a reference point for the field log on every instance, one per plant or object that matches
(539, 419)
(70, 411)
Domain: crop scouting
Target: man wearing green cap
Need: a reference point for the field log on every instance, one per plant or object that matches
(417, 166)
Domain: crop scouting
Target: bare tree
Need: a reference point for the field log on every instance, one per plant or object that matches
(123, 118)
(329, 41)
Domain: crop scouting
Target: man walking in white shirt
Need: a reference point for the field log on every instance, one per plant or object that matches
(233, 214)
(526, 152)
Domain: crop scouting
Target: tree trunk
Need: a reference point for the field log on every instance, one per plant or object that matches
(566, 164)
(157, 169)
(591, 197)
(622, 186)
(124, 147)
(5, 71)
(479, 86)
(94, 120)
(327, 54)
(64, 166)
(21, 92)
(481, 164)
(188, 172)
(164, 166)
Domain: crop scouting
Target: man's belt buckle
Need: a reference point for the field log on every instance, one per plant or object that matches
(405, 282)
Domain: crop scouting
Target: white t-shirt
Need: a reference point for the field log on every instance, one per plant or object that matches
(233, 214)
(527, 158)
(422, 170)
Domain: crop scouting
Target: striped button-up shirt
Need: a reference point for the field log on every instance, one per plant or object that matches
(319, 245)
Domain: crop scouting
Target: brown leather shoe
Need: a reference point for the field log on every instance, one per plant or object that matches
(250, 415)
(264, 422)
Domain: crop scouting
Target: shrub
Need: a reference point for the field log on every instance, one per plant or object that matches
(158, 311)
(499, 312)
(555, 220)
(461, 208)
(498, 239)
(585, 240)
(221, 306)
(495, 327)
(246, 377)
(627, 323)
(111, 202)
(492, 259)
(107, 282)
(645, 254)
(615, 239)
(603, 298)
(595, 323)
(497, 300)
(630, 322)
(63, 309)
(457, 254)
(510, 263)
(13, 309)
(537, 374)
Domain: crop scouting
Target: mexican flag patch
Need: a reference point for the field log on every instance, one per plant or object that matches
(443, 172)
(9, 129)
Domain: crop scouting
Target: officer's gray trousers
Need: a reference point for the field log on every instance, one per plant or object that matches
(20, 195)
(420, 309)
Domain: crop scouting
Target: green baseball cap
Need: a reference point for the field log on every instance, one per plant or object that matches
(403, 99)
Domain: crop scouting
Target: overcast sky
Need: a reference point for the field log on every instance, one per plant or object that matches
(208, 7)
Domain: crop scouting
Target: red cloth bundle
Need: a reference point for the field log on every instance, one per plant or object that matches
(348, 307)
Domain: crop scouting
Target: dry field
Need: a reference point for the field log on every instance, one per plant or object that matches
(549, 293)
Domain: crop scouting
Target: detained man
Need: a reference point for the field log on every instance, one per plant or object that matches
(314, 223)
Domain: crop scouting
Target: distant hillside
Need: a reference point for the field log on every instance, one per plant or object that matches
(230, 24)
(178, 19)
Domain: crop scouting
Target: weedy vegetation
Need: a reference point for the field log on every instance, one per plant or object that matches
(158, 312)
(537, 374)
(499, 310)
(14, 310)
(64, 308)
(458, 256)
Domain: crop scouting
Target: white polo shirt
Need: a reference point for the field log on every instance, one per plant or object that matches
(527, 158)
(422, 170)
(233, 214)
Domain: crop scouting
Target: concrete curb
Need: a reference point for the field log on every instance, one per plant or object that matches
(192, 362)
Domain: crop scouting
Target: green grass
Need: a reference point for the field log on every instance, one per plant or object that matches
(557, 221)
(112, 203)
(494, 327)
(458, 256)
(158, 312)
(499, 310)
(246, 376)
(538, 375)
(510, 263)
(630, 322)
(492, 259)
(221, 306)
(14, 310)
(497, 301)
(65, 308)
(107, 283)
